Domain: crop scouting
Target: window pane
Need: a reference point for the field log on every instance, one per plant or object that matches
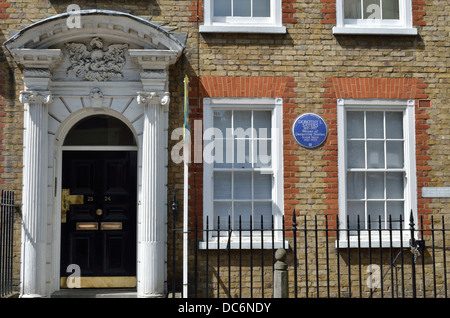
(394, 185)
(263, 150)
(372, 9)
(395, 209)
(263, 209)
(375, 154)
(376, 211)
(375, 185)
(262, 185)
(221, 212)
(352, 9)
(244, 209)
(222, 121)
(241, 8)
(100, 130)
(394, 125)
(242, 155)
(353, 210)
(222, 185)
(219, 150)
(374, 125)
(394, 156)
(355, 125)
(261, 8)
(355, 154)
(242, 119)
(242, 185)
(355, 185)
(262, 122)
(390, 9)
(222, 8)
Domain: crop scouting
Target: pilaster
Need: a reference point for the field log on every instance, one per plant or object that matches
(152, 230)
(34, 209)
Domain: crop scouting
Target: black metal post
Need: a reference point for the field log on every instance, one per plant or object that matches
(294, 232)
(317, 255)
(196, 257)
(251, 256)
(207, 257)
(262, 256)
(443, 254)
(327, 256)
(174, 214)
(338, 255)
(359, 256)
(413, 260)
(240, 256)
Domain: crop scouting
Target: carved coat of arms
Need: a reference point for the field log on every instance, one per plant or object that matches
(98, 63)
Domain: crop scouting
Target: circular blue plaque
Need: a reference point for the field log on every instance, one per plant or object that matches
(310, 130)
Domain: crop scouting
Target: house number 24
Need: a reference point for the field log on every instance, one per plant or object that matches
(107, 198)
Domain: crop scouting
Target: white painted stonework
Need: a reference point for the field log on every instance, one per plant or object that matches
(114, 64)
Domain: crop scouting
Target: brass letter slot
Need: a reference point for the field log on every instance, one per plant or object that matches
(111, 226)
(86, 226)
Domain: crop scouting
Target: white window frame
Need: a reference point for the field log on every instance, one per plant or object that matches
(398, 239)
(224, 240)
(272, 24)
(403, 26)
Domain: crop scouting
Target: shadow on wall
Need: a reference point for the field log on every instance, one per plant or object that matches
(7, 80)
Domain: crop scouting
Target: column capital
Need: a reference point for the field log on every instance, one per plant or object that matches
(41, 97)
(163, 98)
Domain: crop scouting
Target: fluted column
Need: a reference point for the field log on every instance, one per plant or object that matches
(152, 217)
(34, 193)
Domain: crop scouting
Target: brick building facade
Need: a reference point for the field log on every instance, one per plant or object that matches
(284, 58)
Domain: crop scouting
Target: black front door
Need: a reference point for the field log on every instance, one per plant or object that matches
(99, 225)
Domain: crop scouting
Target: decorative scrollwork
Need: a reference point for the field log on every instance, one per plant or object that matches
(41, 97)
(97, 64)
(145, 97)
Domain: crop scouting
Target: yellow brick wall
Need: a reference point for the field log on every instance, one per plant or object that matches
(309, 54)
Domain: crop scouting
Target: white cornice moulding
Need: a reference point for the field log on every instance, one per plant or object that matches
(37, 58)
(154, 59)
(83, 88)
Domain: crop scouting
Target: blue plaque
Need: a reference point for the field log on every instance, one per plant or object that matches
(310, 130)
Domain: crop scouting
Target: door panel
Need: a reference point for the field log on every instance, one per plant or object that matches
(98, 232)
(82, 251)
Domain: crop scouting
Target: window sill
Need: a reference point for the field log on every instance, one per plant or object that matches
(381, 31)
(242, 29)
(245, 243)
(374, 243)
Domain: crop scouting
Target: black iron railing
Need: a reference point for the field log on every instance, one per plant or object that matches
(386, 259)
(6, 242)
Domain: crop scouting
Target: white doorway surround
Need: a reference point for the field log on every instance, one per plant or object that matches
(115, 64)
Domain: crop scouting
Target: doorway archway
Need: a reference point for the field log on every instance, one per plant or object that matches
(99, 211)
